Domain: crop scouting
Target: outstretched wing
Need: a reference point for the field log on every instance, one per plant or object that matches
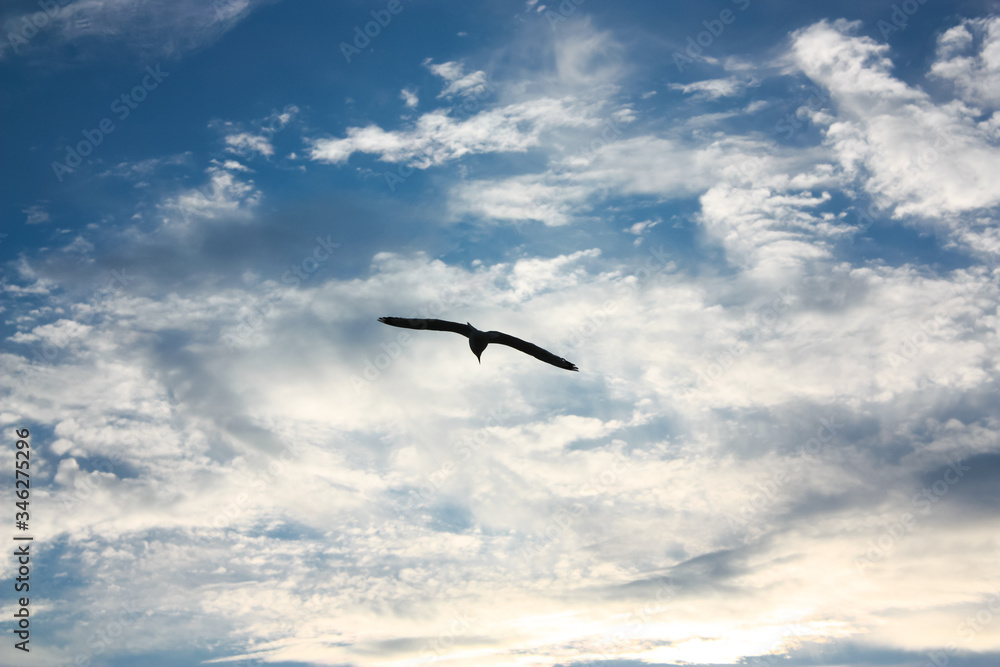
(432, 325)
(532, 349)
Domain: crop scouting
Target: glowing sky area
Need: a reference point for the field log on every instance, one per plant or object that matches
(765, 231)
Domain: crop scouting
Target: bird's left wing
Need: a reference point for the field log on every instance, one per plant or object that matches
(532, 349)
(432, 325)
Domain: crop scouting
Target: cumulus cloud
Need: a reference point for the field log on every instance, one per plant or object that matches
(282, 463)
(225, 195)
(975, 72)
(927, 159)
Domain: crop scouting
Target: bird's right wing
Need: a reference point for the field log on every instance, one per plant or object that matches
(532, 349)
(432, 325)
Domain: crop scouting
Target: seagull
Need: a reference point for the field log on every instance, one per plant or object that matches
(478, 340)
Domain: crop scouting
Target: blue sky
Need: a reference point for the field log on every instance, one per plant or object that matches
(764, 231)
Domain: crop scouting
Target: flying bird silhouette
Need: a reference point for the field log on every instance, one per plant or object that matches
(478, 340)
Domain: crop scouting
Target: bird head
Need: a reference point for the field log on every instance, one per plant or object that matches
(477, 346)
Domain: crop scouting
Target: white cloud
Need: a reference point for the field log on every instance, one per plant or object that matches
(976, 76)
(928, 159)
(233, 165)
(517, 199)
(36, 214)
(459, 83)
(640, 228)
(79, 245)
(203, 413)
(586, 66)
(157, 28)
(437, 137)
(714, 89)
(768, 232)
(59, 333)
(409, 97)
(148, 167)
(223, 196)
(670, 168)
(247, 144)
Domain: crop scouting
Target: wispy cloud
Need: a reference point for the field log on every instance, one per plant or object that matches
(714, 89)
(459, 83)
(94, 28)
(36, 214)
(436, 137)
(244, 143)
